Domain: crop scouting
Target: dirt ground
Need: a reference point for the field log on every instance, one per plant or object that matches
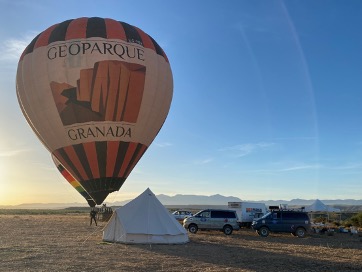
(68, 243)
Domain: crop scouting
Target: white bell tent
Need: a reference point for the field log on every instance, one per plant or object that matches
(319, 206)
(144, 220)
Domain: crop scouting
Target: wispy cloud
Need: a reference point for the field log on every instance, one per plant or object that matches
(12, 49)
(350, 166)
(204, 161)
(297, 138)
(299, 167)
(246, 149)
(12, 153)
(165, 144)
(307, 166)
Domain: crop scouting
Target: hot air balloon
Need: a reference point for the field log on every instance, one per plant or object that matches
(96, 92)
(72, 181)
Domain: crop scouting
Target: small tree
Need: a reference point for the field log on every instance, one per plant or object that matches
(347, 223)
(356, 220)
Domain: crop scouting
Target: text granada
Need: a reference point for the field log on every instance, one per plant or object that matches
(99, 131)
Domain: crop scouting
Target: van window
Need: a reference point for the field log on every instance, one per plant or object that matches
(222, 214)
(302, 216)
(276, 215)
(204, 214)
(289, 215)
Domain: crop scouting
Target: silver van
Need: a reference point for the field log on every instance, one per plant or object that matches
(212, 219)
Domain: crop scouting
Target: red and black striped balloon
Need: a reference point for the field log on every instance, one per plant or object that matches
(96, 92)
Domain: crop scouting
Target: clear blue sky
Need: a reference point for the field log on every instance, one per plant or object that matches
(267, 99)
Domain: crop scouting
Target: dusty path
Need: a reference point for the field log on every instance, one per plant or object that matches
(68, 243)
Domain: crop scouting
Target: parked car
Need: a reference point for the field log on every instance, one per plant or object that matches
(181, 215)
(295, 222)
(212, 219)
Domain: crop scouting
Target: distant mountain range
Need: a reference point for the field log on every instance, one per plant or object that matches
(188, 200)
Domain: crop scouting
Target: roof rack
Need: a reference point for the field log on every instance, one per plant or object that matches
(277, 208)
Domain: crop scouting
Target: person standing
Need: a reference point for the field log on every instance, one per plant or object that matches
(93, 214)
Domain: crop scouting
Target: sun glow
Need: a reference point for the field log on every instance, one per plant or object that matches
(5, 193)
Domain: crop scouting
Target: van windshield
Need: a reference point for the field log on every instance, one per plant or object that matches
(202, 214)
(197, 214)
(266, 215)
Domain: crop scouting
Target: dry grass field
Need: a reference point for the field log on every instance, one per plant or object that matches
(67, 243)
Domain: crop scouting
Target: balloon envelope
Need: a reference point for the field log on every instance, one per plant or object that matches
(96, 92)
(72, 181)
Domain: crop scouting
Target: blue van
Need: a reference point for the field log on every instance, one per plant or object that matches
(295, 222)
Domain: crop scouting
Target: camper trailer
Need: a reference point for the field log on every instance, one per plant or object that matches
(247, 211)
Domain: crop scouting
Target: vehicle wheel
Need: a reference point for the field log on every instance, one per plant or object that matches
(263, 231)
(193, 228)
(228, 230)
(300, 232)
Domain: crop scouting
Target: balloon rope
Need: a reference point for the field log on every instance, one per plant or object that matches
(91, 234)
(68, 188)
(114, 196)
